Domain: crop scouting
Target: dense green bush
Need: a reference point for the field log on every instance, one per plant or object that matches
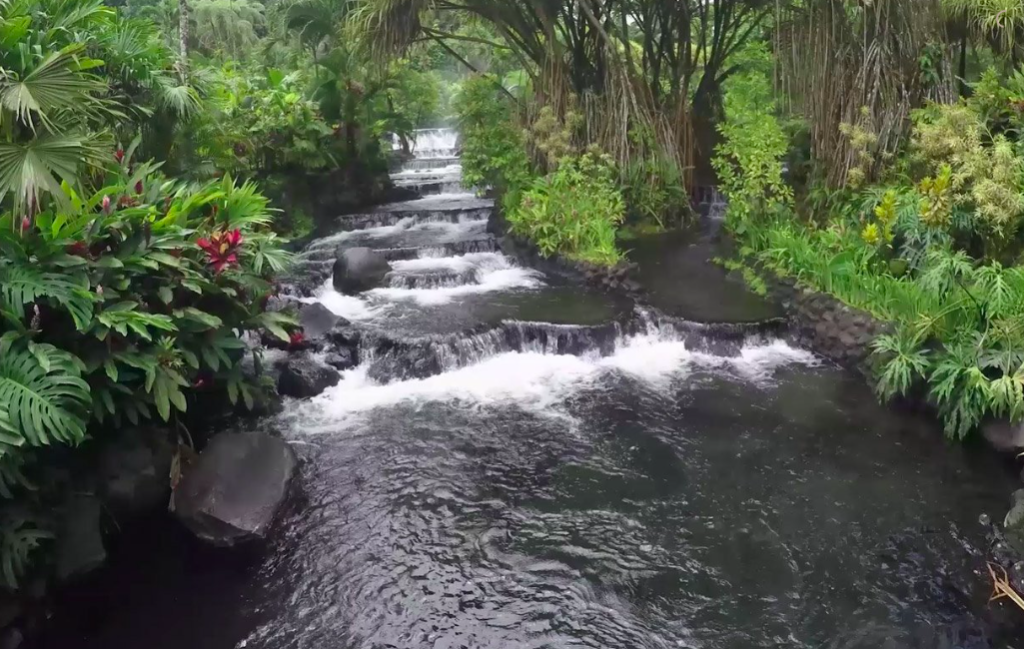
(493, 146)
(749, 159)
(958, 323)
(119, 306)
(575, 210)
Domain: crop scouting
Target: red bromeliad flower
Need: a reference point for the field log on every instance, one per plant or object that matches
(77, 249)
(221, 248)
(119, 155)
(138, 187)
(297, 338)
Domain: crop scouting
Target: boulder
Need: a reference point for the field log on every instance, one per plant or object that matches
(404, 363)
(1013, 524)
(342, 359)
(1004, 436)
(80, 547)
(345, 335)
(235, 488)
(134, 470)
(302, 377)
(359, 269)
(316, 320)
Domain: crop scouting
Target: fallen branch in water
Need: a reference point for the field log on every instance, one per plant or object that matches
(1002, 588)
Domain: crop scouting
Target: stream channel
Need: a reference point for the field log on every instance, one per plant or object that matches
(578, 471)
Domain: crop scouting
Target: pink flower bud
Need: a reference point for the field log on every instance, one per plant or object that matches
(26, 223)
(106, 204)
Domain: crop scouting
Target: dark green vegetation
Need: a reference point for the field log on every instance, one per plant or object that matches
(904, 194)
(137, 250)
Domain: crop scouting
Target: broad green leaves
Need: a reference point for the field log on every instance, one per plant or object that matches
(43, 394)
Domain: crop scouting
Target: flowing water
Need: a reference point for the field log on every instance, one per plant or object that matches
(567, 470)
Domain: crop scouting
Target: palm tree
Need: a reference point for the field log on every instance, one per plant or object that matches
(57, 115)
(1000, 22)
(48, 98)
(228, 26)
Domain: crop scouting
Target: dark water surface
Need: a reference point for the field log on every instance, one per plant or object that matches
(647, 495)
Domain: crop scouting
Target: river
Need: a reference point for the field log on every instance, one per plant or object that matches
(577, 472)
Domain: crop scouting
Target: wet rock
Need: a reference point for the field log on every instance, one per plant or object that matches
(303, 376)
(401, 364)
(344, 335)
(342, 359)
(316, 320)
(80, 548)
(1004, 436)
(11, 638)
(1013, 524)
(134, 470)
(359, 269)
(232, 493)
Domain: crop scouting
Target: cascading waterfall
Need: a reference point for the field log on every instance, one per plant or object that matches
(517, 462)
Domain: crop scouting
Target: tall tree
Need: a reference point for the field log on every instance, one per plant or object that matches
(183, 35)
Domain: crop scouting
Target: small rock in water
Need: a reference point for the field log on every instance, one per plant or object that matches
(359, 269)
(341, 360)
(316, 320)
(303, 377)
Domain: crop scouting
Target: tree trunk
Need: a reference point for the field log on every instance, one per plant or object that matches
(963, 62)
(183, 19)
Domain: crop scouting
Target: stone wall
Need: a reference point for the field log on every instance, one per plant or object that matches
(828, 327)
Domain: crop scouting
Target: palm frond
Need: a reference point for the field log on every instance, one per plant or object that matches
(29, 169)
(57, 82)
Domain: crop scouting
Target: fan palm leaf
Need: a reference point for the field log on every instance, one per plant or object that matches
(29, 169)
(57, 82)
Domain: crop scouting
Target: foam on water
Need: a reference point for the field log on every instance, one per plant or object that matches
(539, 381)
(350, 307)
(457, 264)
(487, 281)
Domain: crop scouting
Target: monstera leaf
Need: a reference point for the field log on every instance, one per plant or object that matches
(42, 393)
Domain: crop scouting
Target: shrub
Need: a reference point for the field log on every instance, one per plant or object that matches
(749, 159)
(575, 210)
(493, 147)
(122, 304)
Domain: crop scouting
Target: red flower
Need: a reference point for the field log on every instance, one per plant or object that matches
(26, 223)
(119, 155)
(221, 248)
(138, 187)
(297, 338)
(106, 204)
(77, 249)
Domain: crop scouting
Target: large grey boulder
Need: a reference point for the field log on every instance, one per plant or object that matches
(302, 377)
(135, 469)
(359, 269)
(1004, 436)
(316, 320)
(1013, 524)
(235, 489)
(80, 548)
